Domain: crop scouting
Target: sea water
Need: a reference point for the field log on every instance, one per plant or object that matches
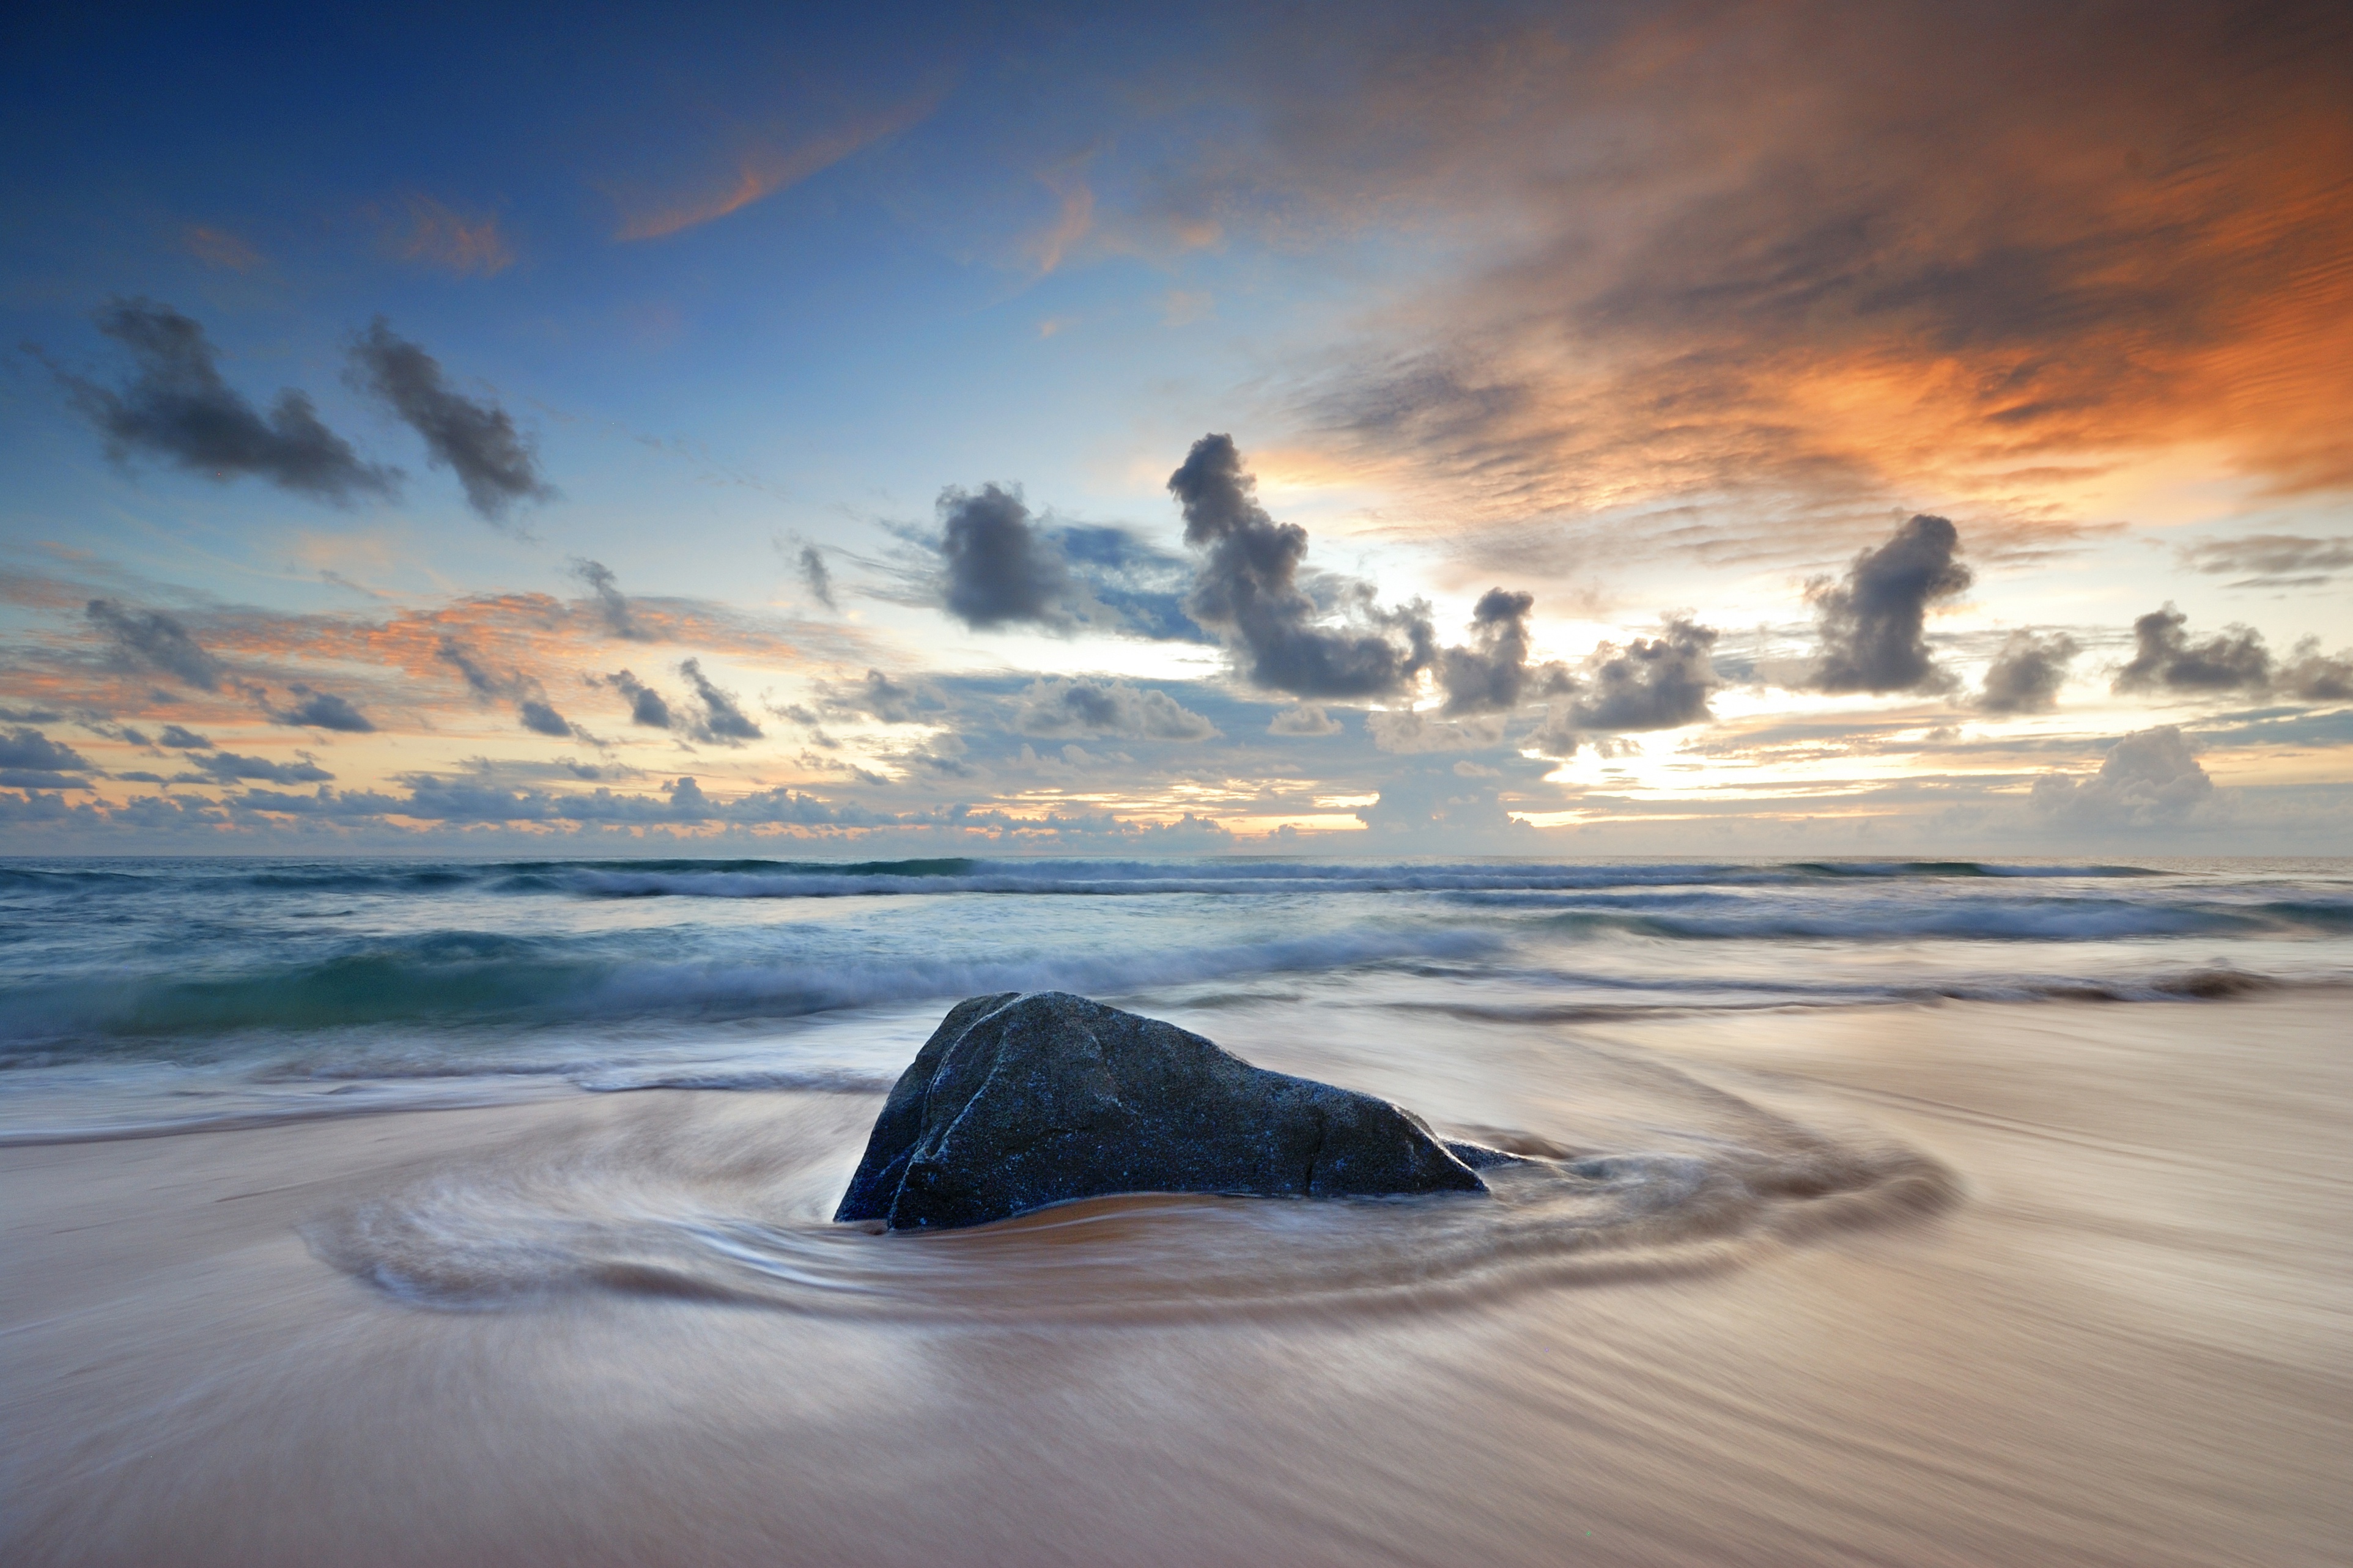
(136, 995)
(415, 1212)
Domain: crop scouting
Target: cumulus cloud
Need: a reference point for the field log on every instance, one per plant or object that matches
(2165, 660)
(1247, 591)
(314, 710)
(2317, 677)
(1488, 676)
(722, 720)
(647, 705)
(2150, 778)
(181, 739)
(1873, 620)
(1442, 805)
(1057, 707)
(815, 577)
(611, 603)
(492, 459)
(1652, 683)
(152, 639)
(177, 408)
(2026, 675)
(1303, 719)
(1000, 568)
(26, 752)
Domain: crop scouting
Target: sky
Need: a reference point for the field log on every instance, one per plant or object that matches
(1727, 428)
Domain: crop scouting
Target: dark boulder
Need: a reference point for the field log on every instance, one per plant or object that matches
(1018, 1101)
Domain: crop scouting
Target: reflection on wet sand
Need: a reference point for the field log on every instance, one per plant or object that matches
(2097, 1314)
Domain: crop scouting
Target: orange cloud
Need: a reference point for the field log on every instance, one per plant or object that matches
(218, 248)
(762, 172)
(433, 235)
(1809, 256)
(1071, 222)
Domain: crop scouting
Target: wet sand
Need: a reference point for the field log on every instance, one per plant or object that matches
(2121, 1337)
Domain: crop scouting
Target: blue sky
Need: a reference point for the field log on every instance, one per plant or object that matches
(1672, 322)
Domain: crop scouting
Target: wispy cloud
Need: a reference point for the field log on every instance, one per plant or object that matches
(1074, 217)
(762, 171)
(429, 234)
(1710, 252)
(219, 248)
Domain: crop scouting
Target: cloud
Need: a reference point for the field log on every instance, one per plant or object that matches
(610, 601)
(218, 248)
(1133, 584)
(432, 235)
(1872, 622)
(227, 767)
(1247, 591)
(1488, 676)
(1720, 256)
(1408, 731)
(2150, 779)
(177, 408)
(647, 705)
(477, 676)
(1303, 719)
(494, 461)
(153, 640)
(182, 739)
(1057, 707)
(999, 568)
(816, 578)
(541, 720)
(761, 172)
(2165, 660)
(2272, 560)
(892, 701)
(722, 721)
(1443, 805)
(530, 698)
(2026, 675)
(27, 749)
(314, 710)
(2315, 677)
(1652, 683)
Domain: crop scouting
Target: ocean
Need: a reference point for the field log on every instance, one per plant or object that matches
(447, 1211)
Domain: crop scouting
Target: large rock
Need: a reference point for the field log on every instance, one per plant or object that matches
(1018, 1101)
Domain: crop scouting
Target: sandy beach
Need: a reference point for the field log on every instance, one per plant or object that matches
(2123, 1340)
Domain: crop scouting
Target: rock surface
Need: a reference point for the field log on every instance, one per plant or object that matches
(1017, 1101)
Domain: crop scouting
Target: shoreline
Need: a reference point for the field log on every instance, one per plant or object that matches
(2124, 1344)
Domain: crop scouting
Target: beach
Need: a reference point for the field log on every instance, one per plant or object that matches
(2111, 1329)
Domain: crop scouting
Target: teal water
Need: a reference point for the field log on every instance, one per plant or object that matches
(138, 995)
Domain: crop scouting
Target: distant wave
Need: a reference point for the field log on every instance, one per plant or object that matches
(1113, 878)
(484, 977)
(745, 879)
(1985, 920)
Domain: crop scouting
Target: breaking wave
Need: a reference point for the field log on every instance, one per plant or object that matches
(481, 977)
